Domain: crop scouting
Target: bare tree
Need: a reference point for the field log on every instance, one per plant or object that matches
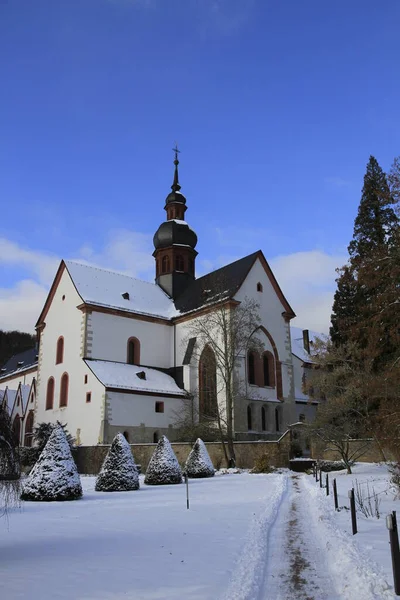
(9, 464)
(223, 337)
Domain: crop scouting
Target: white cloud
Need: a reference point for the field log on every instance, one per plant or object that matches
(40, 264)
(307, 280)
(21, 305)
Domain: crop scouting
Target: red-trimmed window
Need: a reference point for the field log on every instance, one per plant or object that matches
(29, 429)
(259, 287)
(251, 368)
(50, 394)
(17, 430)
(208, 384)
(268, 369)
(249, 418)
(133, 351)
(165, 264)
(64, 390)
(60, 351)
(88, 397)
(159, 407)
(179, 263)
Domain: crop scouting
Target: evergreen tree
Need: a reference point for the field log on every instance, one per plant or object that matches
(54, 476)
(163, 467)
(199, 462)
(119, 472)
(375, 228)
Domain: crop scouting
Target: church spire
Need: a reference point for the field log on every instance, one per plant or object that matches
(175, 187)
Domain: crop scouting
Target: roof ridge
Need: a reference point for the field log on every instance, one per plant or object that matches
(229, 264)
(74, 262)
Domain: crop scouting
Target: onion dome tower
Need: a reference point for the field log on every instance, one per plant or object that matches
(174, 243)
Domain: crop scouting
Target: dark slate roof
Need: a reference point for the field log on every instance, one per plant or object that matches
(28, 358)
(218, 285)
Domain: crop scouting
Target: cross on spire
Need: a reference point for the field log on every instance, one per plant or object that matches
(175, 186)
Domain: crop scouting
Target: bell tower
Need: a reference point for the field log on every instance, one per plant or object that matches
(174, 243)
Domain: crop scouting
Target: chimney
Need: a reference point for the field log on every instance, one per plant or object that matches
(306, 341)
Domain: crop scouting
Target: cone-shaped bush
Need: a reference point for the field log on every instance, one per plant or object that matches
(199, 462)
(54, 476)
(119, 472)
(163, 466)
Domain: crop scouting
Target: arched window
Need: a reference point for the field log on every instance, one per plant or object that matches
(60, 350)
(249, 418)
(28, 429)
(259, 287)
(64, 390)
(126, 436)
(133, 351)
(251, 368)
(207, 384)
(277, 420)
(268, 369)
(165, 264)
(263, 418)
(179, 263)
(17, 430)
(50, 394)
(155, 437)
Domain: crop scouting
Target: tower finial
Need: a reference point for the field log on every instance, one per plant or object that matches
(175, 186)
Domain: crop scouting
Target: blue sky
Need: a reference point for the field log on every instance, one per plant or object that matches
(276, 107)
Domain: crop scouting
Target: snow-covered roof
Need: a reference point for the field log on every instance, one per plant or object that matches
(124, 376)
(296, 335)
(105, 288)
(10, 397)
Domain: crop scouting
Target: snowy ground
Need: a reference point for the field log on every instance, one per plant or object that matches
(245, 537)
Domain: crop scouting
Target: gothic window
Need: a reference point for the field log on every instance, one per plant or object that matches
(29, 429)
(268, 369)
(17, 430)
(60, 350)
(133, 357)
(263, 418)
(50, 394)
(165, 264)
(249, 418)
(259, 287)
(179, 263)
(277, 420)
(251, 368)
(207, 384)
(64, 390)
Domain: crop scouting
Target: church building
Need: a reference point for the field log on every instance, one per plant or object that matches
(115, 352)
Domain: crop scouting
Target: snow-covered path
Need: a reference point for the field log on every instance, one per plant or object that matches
(297, 565)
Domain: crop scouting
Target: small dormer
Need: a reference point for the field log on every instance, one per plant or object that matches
(125, 295)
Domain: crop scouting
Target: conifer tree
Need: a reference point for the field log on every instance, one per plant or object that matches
(163, 467)
(375, 228)
(119, 472)
(54, 476)
(199, 463)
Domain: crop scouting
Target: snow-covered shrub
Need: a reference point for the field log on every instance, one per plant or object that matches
(330, 465)
(54, 476)
(119, 472)
(199, 463)
(163, 466)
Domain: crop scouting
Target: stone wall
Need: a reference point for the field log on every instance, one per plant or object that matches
(89, 458)
(372, 452)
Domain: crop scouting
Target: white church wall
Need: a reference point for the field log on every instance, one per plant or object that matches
(83, 418)
(110, 335)
(271, 310)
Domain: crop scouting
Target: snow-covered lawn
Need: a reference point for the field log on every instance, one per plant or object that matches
(245, 537)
